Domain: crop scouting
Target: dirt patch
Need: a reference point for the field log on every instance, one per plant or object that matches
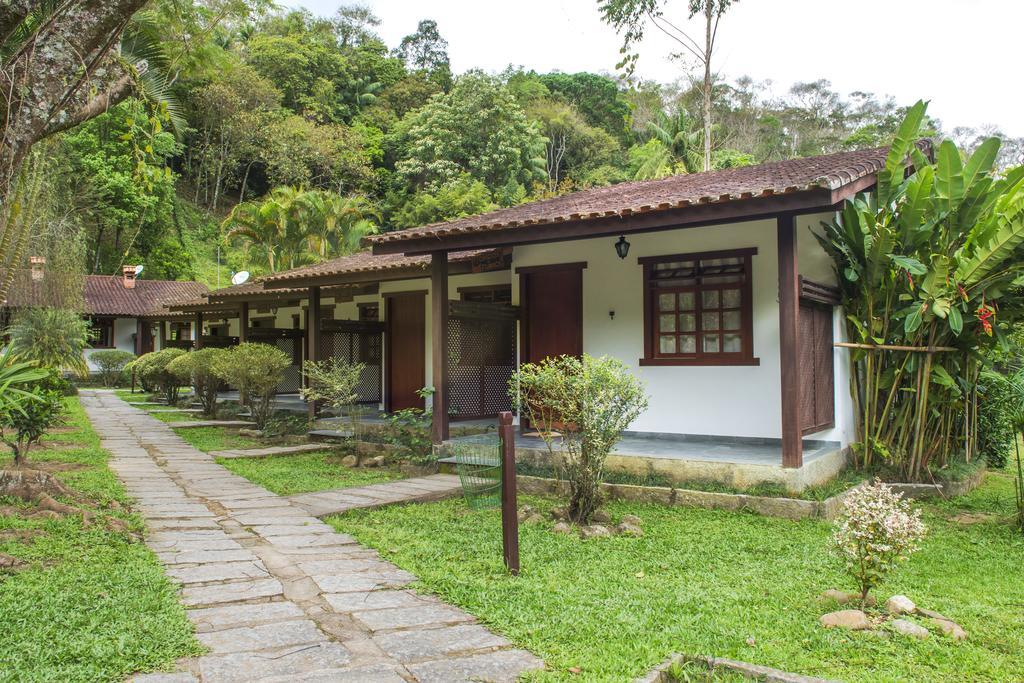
(66, 429)
(969, 518)
(20, 535)
(50, 466)
(9, 563)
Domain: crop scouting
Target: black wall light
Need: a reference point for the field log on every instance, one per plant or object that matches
(622, 247)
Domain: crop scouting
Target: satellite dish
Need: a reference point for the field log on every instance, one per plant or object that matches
(138, 269)
(240, 277)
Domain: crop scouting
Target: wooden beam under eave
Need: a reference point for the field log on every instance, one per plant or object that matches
(313, 316)
(789, 341)
(439, 344)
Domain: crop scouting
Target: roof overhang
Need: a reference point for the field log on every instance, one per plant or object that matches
(626, 222)
(411, 272)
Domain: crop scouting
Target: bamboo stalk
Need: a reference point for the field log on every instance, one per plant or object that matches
(895, 347)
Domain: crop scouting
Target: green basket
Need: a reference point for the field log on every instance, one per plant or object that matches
(479, 470)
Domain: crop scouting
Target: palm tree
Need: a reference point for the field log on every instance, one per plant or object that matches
(678, 148)
(51, 338)
(270, 228)
(335, 225)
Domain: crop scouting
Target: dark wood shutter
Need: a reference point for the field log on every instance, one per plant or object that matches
(817, 369)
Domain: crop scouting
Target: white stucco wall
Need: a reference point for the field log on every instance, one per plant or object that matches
(124, 329)
(709, 400)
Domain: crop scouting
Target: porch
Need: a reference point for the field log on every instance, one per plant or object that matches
(737, 462)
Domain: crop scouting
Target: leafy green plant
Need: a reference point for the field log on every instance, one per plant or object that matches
(23, 423)
(52, 338)
(997, 405)
(410, 429)
(111, 364)
(928, 266)
(198, 369)
(583, 405)
(15, 377)
(152, 369)
(255, 370)
(333, 382)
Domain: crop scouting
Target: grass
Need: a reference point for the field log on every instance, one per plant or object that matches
(90, 605)
(316, 471)
(137, 397)
(210, 439)
(709, 582)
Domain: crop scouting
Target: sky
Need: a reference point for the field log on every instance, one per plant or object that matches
(959, 54)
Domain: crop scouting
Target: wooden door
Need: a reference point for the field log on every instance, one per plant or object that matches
(817, 369)
(405, 332)
(552, 297)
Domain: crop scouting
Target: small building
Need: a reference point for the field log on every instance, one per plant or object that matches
(711, 287)
(125, 312)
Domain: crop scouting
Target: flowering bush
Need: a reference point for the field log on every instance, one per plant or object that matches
(876, 531)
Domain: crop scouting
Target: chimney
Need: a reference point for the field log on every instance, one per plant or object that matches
(38, 266)
(128, 273)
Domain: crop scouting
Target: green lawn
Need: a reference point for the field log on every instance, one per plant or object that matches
(91, 605)
(317, 471)
(707, 582)
(137, 397)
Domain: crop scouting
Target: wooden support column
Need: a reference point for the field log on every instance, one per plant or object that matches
(197, 333)
(439, 344)
(789, 342)
(139, 328)
(243, 323)
(313, 335)
(161, 334)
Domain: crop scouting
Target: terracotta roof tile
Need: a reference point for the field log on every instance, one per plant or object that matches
(829, 172)
(367, 262)
(107, 295)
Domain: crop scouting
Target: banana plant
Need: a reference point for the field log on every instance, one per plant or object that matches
(931, 259)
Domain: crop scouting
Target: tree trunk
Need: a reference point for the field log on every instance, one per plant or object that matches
(60, 77)
(709, 12)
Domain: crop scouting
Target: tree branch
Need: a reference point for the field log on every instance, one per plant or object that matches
(112, 93)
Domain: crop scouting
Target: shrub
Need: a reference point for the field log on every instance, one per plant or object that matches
(52, 337)
(255, 370)
(333, 382)
(198, 369)
(996, 407)
(25, 421)
(16, 378)
(410, 429)
(151, 369)
(875, 532)
(111, 364)
(592, 401)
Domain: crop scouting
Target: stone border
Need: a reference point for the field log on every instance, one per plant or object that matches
(752, 671)
(769, 506)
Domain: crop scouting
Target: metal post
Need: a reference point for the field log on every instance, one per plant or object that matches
(509, 507)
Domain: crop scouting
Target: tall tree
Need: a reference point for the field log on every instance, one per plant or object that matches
(631, 17)
(427, 51)
(60, 68)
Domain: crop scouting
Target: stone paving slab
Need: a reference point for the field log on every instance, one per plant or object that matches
(190, 424)
(276, 594)
(270, 451)
(415, 490)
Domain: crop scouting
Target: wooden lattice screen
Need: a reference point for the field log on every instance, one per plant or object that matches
(481, 358)
(356, 342)
(290, 342)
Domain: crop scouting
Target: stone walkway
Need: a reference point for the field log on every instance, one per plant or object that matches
(274, 593)
(417, 490)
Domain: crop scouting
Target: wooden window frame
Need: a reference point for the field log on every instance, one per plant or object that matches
(652, 356)
(107, 322)
(466, 293)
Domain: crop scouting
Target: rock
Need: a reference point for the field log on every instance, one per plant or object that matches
(931, 614)
(843, 597)
(594, 531)
(909, 628)
(559, 514)
(376, 461)
(524, 512)
(851, 619)
(627, 529)
(600, 517)
(561, 528)
(950, 628)
(350, 461)
(631, 519)
(534, 518)
(254, 433)
(366, 448)
(900, 604)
